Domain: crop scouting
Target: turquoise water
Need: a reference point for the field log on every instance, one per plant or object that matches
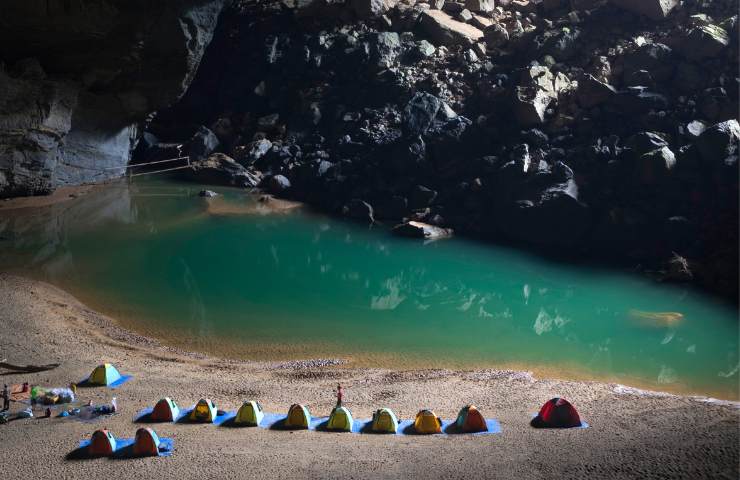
(221, 275)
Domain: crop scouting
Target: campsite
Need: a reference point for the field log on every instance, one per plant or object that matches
(361, 239)
(637, 430)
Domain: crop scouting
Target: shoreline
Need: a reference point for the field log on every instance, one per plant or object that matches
(238, 351)
(112, 329)
(43, 324)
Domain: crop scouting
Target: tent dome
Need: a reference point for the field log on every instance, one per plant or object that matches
(557, 413)
(384, 421)
(427, 422)
(250, 413)
(146, 443)
(204, 411)
(298, 417)
(102, 444)
(166, 410)
(340, 420)
(104, 375)
(470, 420)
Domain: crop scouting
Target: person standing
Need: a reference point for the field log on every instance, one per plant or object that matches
(340, 395)
(6, 398)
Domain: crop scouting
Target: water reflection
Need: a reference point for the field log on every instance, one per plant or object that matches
(176, 260)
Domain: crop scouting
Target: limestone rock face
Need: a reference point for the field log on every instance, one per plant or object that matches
(83, 75)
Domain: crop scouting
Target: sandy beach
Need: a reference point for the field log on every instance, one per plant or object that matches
(633, 434)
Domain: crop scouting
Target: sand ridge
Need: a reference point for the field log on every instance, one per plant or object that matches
(634, 434)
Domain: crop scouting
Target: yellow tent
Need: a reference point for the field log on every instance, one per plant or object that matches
(204, 411)
(298, 417)
(427, 422)
(250, 413)
(340, 420)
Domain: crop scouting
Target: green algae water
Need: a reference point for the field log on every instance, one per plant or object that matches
(229, 275)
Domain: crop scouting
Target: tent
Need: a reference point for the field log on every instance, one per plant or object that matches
(166, 410)
(104, 374)
(340, 420)
(250, 413)
(384, 421)
(470, 420)
(146, 443)
(204, 411)
(298, 417)
(557, 413)
(102, 444)
(427, 422)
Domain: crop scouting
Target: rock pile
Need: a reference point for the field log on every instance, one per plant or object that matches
(581, 127)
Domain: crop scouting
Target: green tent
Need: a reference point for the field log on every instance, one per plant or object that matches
(340, 420)
(384, 421)
(104, 374)
(250, 414)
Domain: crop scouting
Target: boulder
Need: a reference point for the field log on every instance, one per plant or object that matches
(357, 209)
(496, 35)
(592, 92)
(220, 169)
(533, 95)
(207, 194)
(645, 142)
(385, 47)
(366, 9)
(654, 58)
(481, 22)
(654, 9)
(277, 184)
(259, 148)
(465, 16)
(424, 49)
(444, 30)
(420, 112)
(705, 41)
(480, 6)
(201, 144)
(719, 142)
(422, 230)
(655, 167)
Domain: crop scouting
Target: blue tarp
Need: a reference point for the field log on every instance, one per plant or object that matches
(125, 448)
(124, 378)
(276, 421)
(143, 416)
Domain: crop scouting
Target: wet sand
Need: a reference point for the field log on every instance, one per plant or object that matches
(633, 434)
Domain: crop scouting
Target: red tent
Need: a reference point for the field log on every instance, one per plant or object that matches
(557, 413)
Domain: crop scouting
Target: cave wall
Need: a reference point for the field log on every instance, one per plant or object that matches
(79, 76)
